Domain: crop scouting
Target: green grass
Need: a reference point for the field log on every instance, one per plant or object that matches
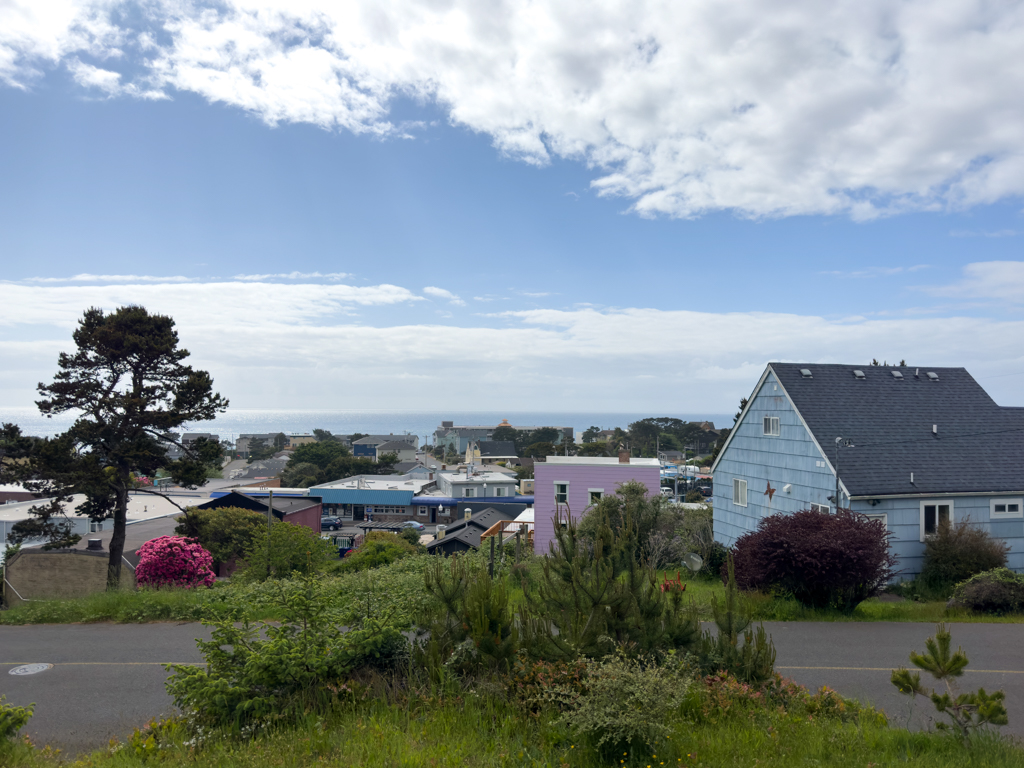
(398, 589)
(773, 608)
(483, 730)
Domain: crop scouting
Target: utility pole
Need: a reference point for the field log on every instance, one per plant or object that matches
(845, 444)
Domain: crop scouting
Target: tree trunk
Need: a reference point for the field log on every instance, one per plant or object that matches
(117, 541)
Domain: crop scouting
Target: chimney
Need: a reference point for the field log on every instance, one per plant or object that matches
(623, 457)
(95, 545)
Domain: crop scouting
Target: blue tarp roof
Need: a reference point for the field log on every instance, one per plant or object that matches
(363, 496)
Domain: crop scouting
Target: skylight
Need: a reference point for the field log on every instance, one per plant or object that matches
(858, 374)
(897, 375)
(806, 373)
(933, 376)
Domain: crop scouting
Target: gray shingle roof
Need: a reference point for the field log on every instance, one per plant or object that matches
(395, 445)
(379, 439)
(497, 448)
(979, 445)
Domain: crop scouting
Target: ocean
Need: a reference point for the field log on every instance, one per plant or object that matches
(375, 422)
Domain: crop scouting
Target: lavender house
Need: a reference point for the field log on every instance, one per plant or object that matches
(567, 485)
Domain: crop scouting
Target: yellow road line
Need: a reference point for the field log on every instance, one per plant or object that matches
(889, 669)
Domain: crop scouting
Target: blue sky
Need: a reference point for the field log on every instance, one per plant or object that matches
(461, 233)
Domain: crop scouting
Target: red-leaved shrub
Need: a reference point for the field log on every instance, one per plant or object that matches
(173, 561)
(824, 560)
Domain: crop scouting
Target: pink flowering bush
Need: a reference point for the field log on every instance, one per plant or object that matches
(173, 561)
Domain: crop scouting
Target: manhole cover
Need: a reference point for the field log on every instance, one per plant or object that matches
(30, 669)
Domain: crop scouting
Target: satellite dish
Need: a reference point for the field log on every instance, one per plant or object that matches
(693, 561)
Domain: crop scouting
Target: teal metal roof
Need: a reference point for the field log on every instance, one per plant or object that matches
(363, 496)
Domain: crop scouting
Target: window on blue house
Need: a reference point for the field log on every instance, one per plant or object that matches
(739, 492)
(934, 514)
(771, 425)
(1003, 509)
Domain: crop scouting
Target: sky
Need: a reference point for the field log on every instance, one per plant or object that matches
(427, 204)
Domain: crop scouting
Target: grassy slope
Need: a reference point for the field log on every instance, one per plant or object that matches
(483, 730)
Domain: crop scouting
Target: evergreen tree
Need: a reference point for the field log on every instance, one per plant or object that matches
(129, 385)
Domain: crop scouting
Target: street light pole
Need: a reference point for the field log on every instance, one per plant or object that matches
(844, 444)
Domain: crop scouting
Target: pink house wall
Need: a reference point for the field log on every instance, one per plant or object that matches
(581, 478)
(309, 517)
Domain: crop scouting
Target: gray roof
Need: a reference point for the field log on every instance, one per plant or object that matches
(468, 531)
(378, 439)
(978, 448)
(497, 448)
(395, 445)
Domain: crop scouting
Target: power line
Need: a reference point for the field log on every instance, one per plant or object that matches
(943, 437)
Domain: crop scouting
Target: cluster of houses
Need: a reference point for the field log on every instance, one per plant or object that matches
(913, 447)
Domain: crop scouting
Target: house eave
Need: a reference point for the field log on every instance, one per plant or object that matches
(939, 494)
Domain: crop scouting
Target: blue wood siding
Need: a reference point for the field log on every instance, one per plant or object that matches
(903, 519)
(788, 458)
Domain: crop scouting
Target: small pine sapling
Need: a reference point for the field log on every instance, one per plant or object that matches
(753, 660)
(968, 711)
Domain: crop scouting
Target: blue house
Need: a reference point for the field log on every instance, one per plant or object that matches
(913, 447)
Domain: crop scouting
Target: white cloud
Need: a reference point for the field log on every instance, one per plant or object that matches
(1002, 280)
(302, 349)
(109, 82)
(441, 293)
(763, 107)
(295, 276)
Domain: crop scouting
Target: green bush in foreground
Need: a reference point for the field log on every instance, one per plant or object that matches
(13, 719)
(301, 663)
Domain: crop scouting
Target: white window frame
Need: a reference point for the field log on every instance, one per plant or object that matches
(1004, 515)
(421, 511)
(469, 493)
(821, 508)
(739, 489)
(565, 493)
(770, 426)
(883, 516)
(499, 492)
(936, 503)
(590, 495)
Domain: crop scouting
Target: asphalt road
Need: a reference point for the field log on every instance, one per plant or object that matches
(107, 679)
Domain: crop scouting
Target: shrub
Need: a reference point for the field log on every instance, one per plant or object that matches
(301, 664)
(286, 550)
(13, 719)
(411, 535)
(378, 548)
(957, 552)
(172, 561)
(997, 591)
(824, 560)
(225, 533)
(694, 497)
(626, 702)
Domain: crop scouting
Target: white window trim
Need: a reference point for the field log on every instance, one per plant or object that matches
(936, 503)
(883, 516)
(774, 427)
(421, 511)
(815, 507)
(993, 515)
(594, 490)
(469, 493)
(499, 492)
(738, 485)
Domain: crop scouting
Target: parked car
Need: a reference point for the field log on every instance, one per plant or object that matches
(330, 523)
(706, 490)
(414, 525)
